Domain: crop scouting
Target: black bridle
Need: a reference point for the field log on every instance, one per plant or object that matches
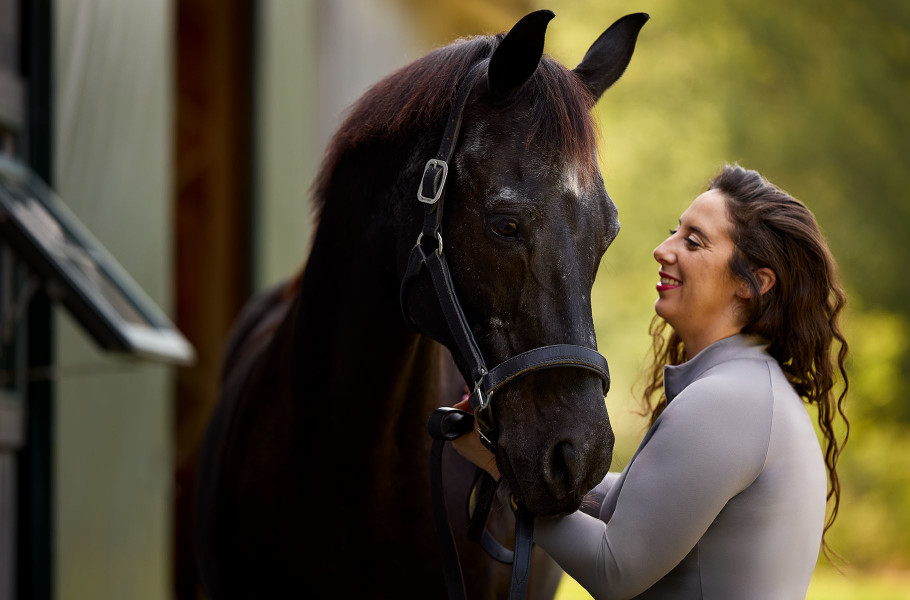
(448, 423)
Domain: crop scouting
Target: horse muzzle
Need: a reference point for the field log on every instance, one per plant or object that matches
(555, 448)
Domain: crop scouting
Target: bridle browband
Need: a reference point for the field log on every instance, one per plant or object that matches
(448, 423)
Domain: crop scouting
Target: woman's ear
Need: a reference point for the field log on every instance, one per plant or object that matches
(766, 278)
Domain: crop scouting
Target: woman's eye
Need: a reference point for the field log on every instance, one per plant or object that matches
(692, 243)
(504, 226)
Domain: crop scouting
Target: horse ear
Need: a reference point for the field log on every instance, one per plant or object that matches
(517, 56)
(608, 57)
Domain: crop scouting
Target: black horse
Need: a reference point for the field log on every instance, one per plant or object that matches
(313, 479)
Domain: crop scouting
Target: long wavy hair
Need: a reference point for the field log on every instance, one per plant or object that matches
(798, 316)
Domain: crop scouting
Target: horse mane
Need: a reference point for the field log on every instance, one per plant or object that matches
(421, 93)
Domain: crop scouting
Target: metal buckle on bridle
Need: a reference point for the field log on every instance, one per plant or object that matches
(433, 163)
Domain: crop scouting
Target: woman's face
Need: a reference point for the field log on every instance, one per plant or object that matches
(697, 293)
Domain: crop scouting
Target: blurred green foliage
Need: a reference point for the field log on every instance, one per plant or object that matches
(812, 94)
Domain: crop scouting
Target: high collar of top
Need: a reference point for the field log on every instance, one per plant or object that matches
(678, 377)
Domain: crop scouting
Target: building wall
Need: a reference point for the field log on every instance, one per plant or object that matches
(113, 132)
(285, 151)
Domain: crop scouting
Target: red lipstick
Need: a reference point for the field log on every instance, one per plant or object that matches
(667, 282)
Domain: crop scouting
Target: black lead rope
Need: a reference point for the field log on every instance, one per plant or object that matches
(447, 424)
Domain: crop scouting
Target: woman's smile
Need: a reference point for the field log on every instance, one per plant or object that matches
(667, 282)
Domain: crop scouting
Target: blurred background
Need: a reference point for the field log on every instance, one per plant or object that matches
(186, 133)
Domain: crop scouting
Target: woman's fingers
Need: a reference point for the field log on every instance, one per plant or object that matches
(470, 447)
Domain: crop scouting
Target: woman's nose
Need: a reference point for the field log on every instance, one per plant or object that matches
(662, 253)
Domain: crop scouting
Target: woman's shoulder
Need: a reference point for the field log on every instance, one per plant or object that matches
(742, 385)
(745, 375)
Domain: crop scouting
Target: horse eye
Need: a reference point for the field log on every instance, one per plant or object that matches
(504, 227)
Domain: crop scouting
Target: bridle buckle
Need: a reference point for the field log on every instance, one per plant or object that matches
(433, 163)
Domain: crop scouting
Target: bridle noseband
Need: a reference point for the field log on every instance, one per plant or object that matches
(447, 424)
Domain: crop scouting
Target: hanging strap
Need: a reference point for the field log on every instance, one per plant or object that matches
(524, 541)
(445, 425)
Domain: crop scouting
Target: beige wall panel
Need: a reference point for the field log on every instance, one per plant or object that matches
(113, 432)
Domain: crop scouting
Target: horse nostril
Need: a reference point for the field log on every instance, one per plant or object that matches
(564, 462)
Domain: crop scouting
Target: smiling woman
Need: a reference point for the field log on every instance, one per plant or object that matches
(756, 255)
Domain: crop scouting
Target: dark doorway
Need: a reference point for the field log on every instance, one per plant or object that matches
(214, 58)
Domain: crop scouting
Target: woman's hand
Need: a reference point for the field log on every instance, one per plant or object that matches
(470, 447)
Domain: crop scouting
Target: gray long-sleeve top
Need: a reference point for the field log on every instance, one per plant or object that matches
(724, 499)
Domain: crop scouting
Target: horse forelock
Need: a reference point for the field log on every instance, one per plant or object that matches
(561, 118)
(421, 94)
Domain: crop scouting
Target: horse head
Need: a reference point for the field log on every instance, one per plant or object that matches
(527, 221)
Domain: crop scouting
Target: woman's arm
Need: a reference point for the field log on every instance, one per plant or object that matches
(593, 499)
(709, 445)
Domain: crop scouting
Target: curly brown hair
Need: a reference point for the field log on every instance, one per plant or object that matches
(798, 316)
